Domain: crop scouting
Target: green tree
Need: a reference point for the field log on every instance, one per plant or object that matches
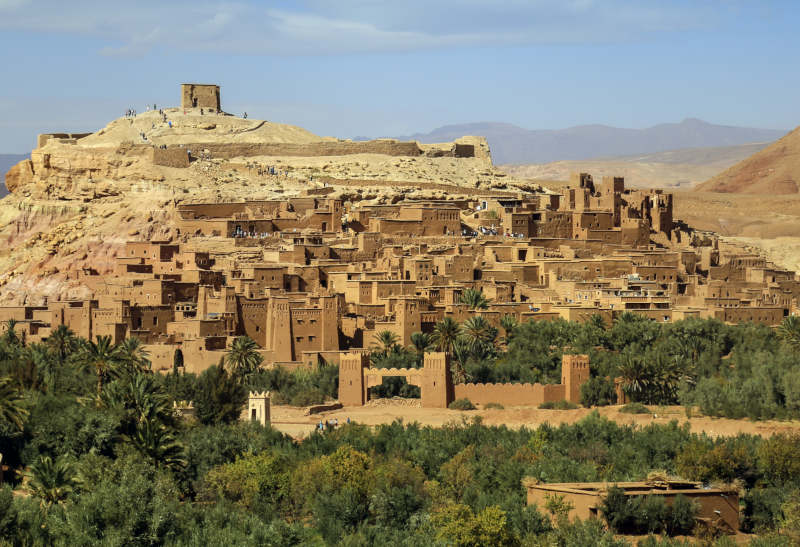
(103, 357)
(457, 525)
(243, 358)
(445, 334)
(598, 391)
(139, 398)
(789, 331)
(385, 342)
(479, 335)
(155, 441)
(474, 299)
(219, 397)
(52, 481)
(62, 343)
(421, 342)
(508, 323)
(12, 411)
(10, 335)
(133, 358)
(37, 367)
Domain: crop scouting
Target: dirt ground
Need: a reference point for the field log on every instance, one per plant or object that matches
(294, 422)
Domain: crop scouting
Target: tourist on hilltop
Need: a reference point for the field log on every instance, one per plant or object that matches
(244, 115)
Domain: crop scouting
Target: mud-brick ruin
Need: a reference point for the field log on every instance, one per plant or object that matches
(296, 248)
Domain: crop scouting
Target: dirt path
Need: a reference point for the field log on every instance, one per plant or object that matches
(292, 421)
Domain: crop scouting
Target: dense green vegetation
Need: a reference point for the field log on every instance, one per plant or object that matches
(104, 459)
(737, 371)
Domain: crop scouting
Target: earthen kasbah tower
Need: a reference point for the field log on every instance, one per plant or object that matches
(200, 96)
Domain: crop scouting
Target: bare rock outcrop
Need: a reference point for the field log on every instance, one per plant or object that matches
(19, 175)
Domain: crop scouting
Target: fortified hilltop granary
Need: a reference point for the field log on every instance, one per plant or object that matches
(314, 273)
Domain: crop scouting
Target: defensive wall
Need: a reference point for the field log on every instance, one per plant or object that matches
(510, 394)
(68, 138)
(438, 391)
(317, 149)
(434, 379)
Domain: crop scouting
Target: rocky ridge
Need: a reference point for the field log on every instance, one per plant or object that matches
(75, 201)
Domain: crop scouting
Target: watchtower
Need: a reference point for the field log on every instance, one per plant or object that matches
(437, 382)
(351, 379)
(574, 372)
(258, 405)
(200, 96)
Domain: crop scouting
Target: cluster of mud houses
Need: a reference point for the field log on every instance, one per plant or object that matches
(310, 277)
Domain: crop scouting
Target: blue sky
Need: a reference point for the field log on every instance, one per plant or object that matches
(368, 67)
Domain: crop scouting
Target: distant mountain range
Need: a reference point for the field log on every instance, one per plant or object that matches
(7, 161)
(511, 144)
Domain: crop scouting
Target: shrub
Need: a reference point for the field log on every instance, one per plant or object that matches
(461, 404)
(647, 514)
(635, 408)
(494, 405)
(598, 391)
(563, 404)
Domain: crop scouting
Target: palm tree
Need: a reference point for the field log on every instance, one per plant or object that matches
(51, 481)
(635, 377)
(103, 357)
(243, 357)
(385, 341)
(509, 323)
(461, 354)
(39, 365)
(421, 342)
(10, 335)
(478, 334)
(474, 299)
(140, 398)
(153, 440)
(12, 412)
(62, 343)
(789, 331)
(445, 334)
(596, 320)
(133, 357)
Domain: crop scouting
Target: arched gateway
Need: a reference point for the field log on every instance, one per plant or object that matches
(433, 379)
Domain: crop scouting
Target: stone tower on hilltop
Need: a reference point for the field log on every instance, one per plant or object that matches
(200, 96)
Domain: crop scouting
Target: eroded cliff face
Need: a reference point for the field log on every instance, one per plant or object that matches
(78, 199)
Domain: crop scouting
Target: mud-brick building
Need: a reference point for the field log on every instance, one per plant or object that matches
(716, 506)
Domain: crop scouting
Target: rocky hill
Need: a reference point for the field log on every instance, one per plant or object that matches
(773, 170)
(77, 198)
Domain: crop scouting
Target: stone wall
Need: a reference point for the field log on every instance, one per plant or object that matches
(171, 157)
(510, 394)
(333, 148)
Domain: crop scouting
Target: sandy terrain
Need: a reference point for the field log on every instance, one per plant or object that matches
(294, 422)
(773, 170)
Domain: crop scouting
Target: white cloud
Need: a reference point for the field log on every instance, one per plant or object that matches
(323, 27)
